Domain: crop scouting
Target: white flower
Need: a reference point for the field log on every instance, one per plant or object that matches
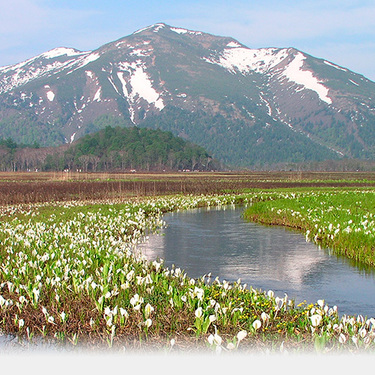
(342, 338)
(148, 310)
(22, 299)
(199, 293)
(21, 323)
(257, 324)
(214, 339)
(241, 335)
(217, 339)
(130, 275)
(315, 320)
(109, 321)
(265, 317)
(355, 340)
(156, 265)
(363, 332)
(63, 316)
(136, 299)
(148, 323)
(198, 312)
(230, 346)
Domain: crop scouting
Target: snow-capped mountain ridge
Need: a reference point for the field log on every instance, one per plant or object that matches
(160, 76)
(58, 59)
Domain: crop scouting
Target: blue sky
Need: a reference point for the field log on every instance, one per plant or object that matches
(342, 31)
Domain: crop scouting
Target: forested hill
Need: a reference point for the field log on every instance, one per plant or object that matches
(111, 149)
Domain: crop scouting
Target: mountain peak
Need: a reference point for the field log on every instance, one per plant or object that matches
(155, 28)
(241, 104)
(61, 51)
(163, 26)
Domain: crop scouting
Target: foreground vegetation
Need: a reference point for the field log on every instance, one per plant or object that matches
(70, 273)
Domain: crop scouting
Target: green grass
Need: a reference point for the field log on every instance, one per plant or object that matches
(343, 220)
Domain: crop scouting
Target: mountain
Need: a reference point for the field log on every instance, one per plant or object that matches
(246, 107)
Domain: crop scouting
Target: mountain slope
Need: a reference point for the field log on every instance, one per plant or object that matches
(247, 107)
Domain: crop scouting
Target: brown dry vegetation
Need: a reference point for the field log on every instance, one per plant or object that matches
(18, 188)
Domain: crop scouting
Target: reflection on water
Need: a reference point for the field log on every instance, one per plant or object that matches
(221, 242)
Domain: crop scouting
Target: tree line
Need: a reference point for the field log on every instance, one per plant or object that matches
(110, 149)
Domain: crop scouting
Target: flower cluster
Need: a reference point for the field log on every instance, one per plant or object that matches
(76, 269)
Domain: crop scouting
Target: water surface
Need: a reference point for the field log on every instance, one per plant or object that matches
(220, 241)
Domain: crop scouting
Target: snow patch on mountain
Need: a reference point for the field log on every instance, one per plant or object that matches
(97, 96)
(244, 60)
(17, 75)
(50, 96)
(20, 74)
(136, 85)
(61, 51)
(233, 44)
(85, 60)
(156, 27)
(72, 137)
(295, 73)
(179, 31)
(266, 102)
(143, 29)
(140, 52)
(353, 82)
(335, 66)
(110, 79)
(120, 76)
(185, 31)
(142, 87)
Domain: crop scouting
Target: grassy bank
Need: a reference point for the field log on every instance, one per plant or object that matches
(69, 273)
(343, 220)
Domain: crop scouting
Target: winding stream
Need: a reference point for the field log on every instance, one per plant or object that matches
(220, 241)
